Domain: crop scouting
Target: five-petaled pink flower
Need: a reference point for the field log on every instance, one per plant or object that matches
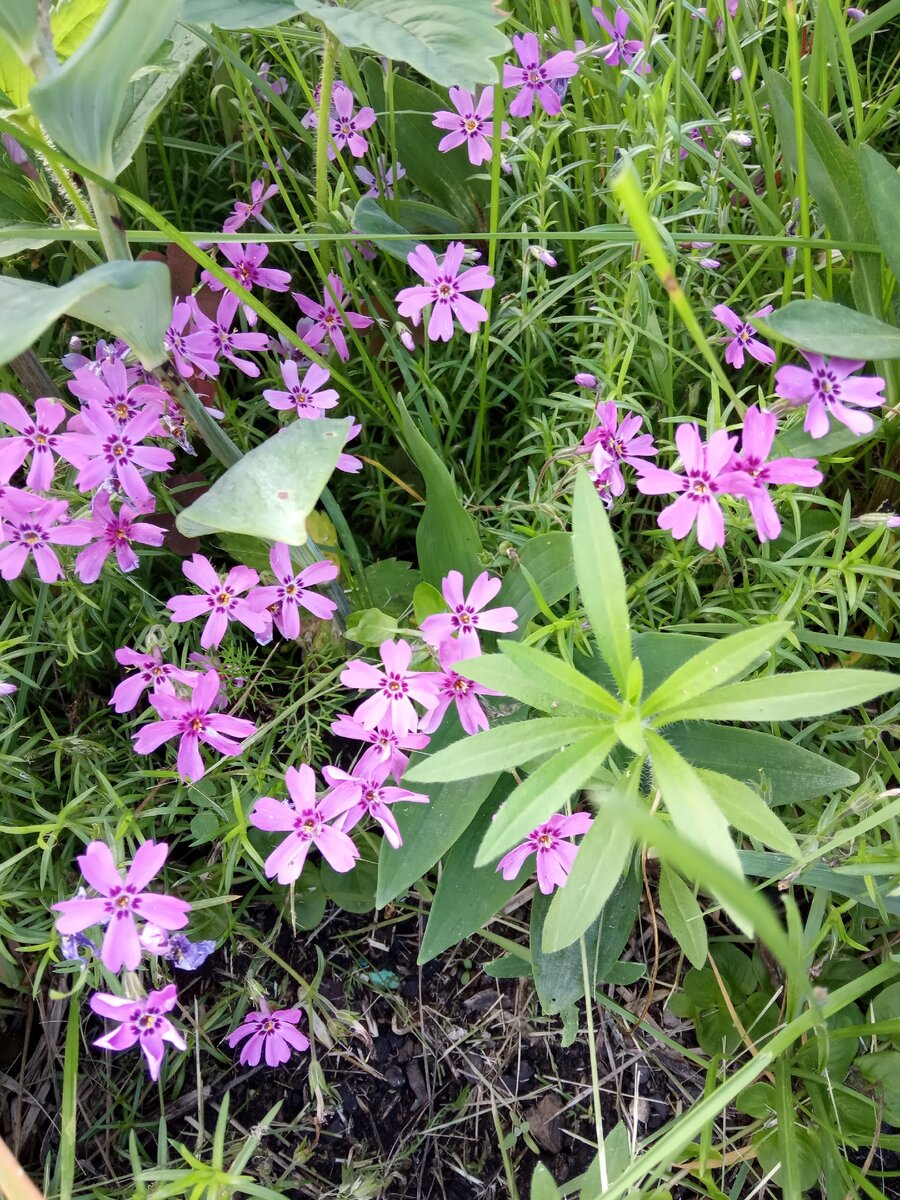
(753, 464)
(215, 339)
(456, 689)
(116, 452)
(175, 341)
(243, 211)
(114, 533)
(107, 385)
(623, 50)
(293, 591)
(827, 388)
(151, 672)
(699, 486)
(471, 124)
(193, 721)
(246, 269)
(272, 1032)
(614, 442)
(305, 396)
(121, 901)
(555, 855)
(465, 617)
(305, 820)
(142, 1021)
(443, 290)
(385, 743)
(33, 526)
(221, 599)
(395, 687)
(362, 792)
(536, 78)
(345, 128)
(35, 436)
(744, 336)
(331, 317)
(381, 181)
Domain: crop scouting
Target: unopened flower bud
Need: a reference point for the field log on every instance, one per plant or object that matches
(586, 380)
(406, 340)
(736, 74)
(542, 255)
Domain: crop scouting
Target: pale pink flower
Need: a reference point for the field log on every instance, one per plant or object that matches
(387, 745)
(177, 344)
(272, 1033)
(35, 436)
(362, 791)
(244, 211)
(114, 533)
(246, 269)
(305, 396)
(151, 672)
(745, 337)
(293, 591)
(215, 339)
(534, 78)
(827, 388)
(443, 289)
(140, 1021)
(116, 453)
(470, 125)
(466, 618)
(331, 317)
(622, 51)
(395, 687)
(305, 819)
(614, 442)
(345, 127)
(555, 854)
(456, 689)
(33, 526)
(221, 599)
(382, 181)
(109, 385)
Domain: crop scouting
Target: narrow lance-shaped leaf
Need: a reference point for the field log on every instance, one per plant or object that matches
(790, 697)
(544, 792)
(718, 664)
(881, 187)
(498, 749)
(601, 580)
(499, 672)
(683, 915)
(745, 809)
(564, 681)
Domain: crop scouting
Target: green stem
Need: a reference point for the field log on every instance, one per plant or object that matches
(322, 131)
(109, 222)
(595, 1074)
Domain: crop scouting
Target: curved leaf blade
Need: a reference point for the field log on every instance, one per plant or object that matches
(19, 24)
(819, 326)
(683, 915)
(790, 697)
(565, 682)
(745, 809)
(601, 580)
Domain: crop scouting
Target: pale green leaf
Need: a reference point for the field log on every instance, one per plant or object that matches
(543, 1186)
(369, 626)
(499, 672)
(601, 580)
(132, 300)
(718, 664)
(822, 327)
(80, 104)
(239, 14)
(271, 491)
(557, 677)
(683, 915)
(789, 697)
(18, 24)
(498, 749)
(881, 187)
(745, 809)
(372, 222)
(548, 562)
(545, 791)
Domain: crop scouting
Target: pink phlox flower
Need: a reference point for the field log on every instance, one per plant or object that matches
(443, 289)
(176, 343)
(221, 599)
(387, 745)
(111, 389)
(35, 436)
(305, 396)
(704, 465)
(366, 250)
(176, 948)
(104, 352)
(293, 591)
(310, 119)
(331, 317)
(7, 689)
(121, 901)
(470, 125)
(246, 269)
(535, 78)
(215, 339)
(456, 689)
(116, 452)
(305, 819)
(244, 210)
(272, 1033)
(466, 618)
(395, 687)
(622, 51)
(349, 462)
(140, 1022)
(150, 672)
(114, 533)
(345, 128)
(555, 854)
(287, 349)
(827, 388)
(744, 336)
(193, 721)
(752, 463)
(585, 379)
(383, 180)
(614, 442)
(279, 86)
(600, 475)
(364, 792)
(33, 526)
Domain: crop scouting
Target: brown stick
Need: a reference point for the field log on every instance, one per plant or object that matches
(31, 374)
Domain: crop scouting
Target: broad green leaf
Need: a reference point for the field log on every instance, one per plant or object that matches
(370, 626)
(19, 25)
(601, 580)
(353, 891)
(881, 187)
(427, 601)
(560, 679)
(239, 14)
(764, 864)
(603, 854)
(446, 536)
(271, 491)
(429, 830)
(718, 664)
(80, 104)
(745, 809)
(499, 749)
(543, 1186)
(467, 896)
(788, 774)
(419, 217)
(789, 697)
(499, 672)
(15, 80)
(548, 560)
(683, 915)
(558, 975)
(132, 300)
(659, 653)
(372, 222)
(452, 42)
(545, 791)
(690, 804)
(821, 327)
